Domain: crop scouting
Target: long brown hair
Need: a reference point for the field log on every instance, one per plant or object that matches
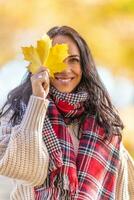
(99, 100)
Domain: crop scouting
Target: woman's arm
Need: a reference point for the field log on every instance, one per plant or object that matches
(125, 177)
(23, 154)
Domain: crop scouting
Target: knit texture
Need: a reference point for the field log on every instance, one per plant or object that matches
(23, 154)
(22, 149)
(125, 180)
(90, 175)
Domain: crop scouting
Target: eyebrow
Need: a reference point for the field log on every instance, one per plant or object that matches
(73, 56)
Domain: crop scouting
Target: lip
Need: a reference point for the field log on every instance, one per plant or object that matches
(63, 77)
(64, 80)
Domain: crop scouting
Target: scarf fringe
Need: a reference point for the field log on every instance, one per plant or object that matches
(67, 180)
(96, 162)
(56, 160)
(53, 194)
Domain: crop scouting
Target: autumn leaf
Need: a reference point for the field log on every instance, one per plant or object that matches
(31, 55)
(46, 55)
(55, 59)
(43, 48)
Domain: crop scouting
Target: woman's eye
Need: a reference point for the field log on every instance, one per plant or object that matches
(74, 60)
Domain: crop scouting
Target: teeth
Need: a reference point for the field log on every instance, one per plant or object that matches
(64, 80)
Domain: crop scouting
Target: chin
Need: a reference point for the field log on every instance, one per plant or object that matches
(65, 86)
(64, 90)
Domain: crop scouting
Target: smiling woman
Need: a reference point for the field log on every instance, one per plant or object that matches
(61, 135)
(71, 76)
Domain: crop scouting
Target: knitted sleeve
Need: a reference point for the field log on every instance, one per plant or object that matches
(125, 179)
(23, 154)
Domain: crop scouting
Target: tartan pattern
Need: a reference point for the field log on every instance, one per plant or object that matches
(71, 98)
(92, 174)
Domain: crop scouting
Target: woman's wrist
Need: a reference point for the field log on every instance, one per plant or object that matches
(40, 97)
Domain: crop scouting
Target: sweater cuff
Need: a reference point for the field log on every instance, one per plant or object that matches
(35, 113)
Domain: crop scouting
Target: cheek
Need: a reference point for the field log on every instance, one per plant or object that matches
(78, 71)
(79, 78)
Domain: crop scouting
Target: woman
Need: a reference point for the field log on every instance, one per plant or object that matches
(61, 136)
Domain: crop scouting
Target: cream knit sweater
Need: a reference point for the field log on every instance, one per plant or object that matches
(24, 156)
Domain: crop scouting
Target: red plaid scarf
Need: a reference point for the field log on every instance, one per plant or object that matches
(92, 174)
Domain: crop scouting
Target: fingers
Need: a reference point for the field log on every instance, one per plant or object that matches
(40, 82)
(42, 69)
(42, 74)
(41, 78)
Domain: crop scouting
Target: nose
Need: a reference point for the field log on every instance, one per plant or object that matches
(67, 68)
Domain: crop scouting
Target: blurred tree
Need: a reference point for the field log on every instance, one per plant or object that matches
(106, 25)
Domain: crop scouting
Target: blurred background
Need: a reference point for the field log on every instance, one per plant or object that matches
(106, 25)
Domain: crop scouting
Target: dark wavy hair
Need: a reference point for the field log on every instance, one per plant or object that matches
(99, 100)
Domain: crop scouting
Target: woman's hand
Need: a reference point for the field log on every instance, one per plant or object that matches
(40, 83)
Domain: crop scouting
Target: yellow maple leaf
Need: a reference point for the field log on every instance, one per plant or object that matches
(31, 55)
(56, 57)
(43, 48)
(46, 55)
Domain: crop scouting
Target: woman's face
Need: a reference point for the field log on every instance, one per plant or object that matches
(67, 80)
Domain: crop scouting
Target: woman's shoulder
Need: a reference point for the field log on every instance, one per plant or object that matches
(125, 154)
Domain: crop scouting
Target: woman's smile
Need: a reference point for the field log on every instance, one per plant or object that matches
(64, 80)
(67, 80)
